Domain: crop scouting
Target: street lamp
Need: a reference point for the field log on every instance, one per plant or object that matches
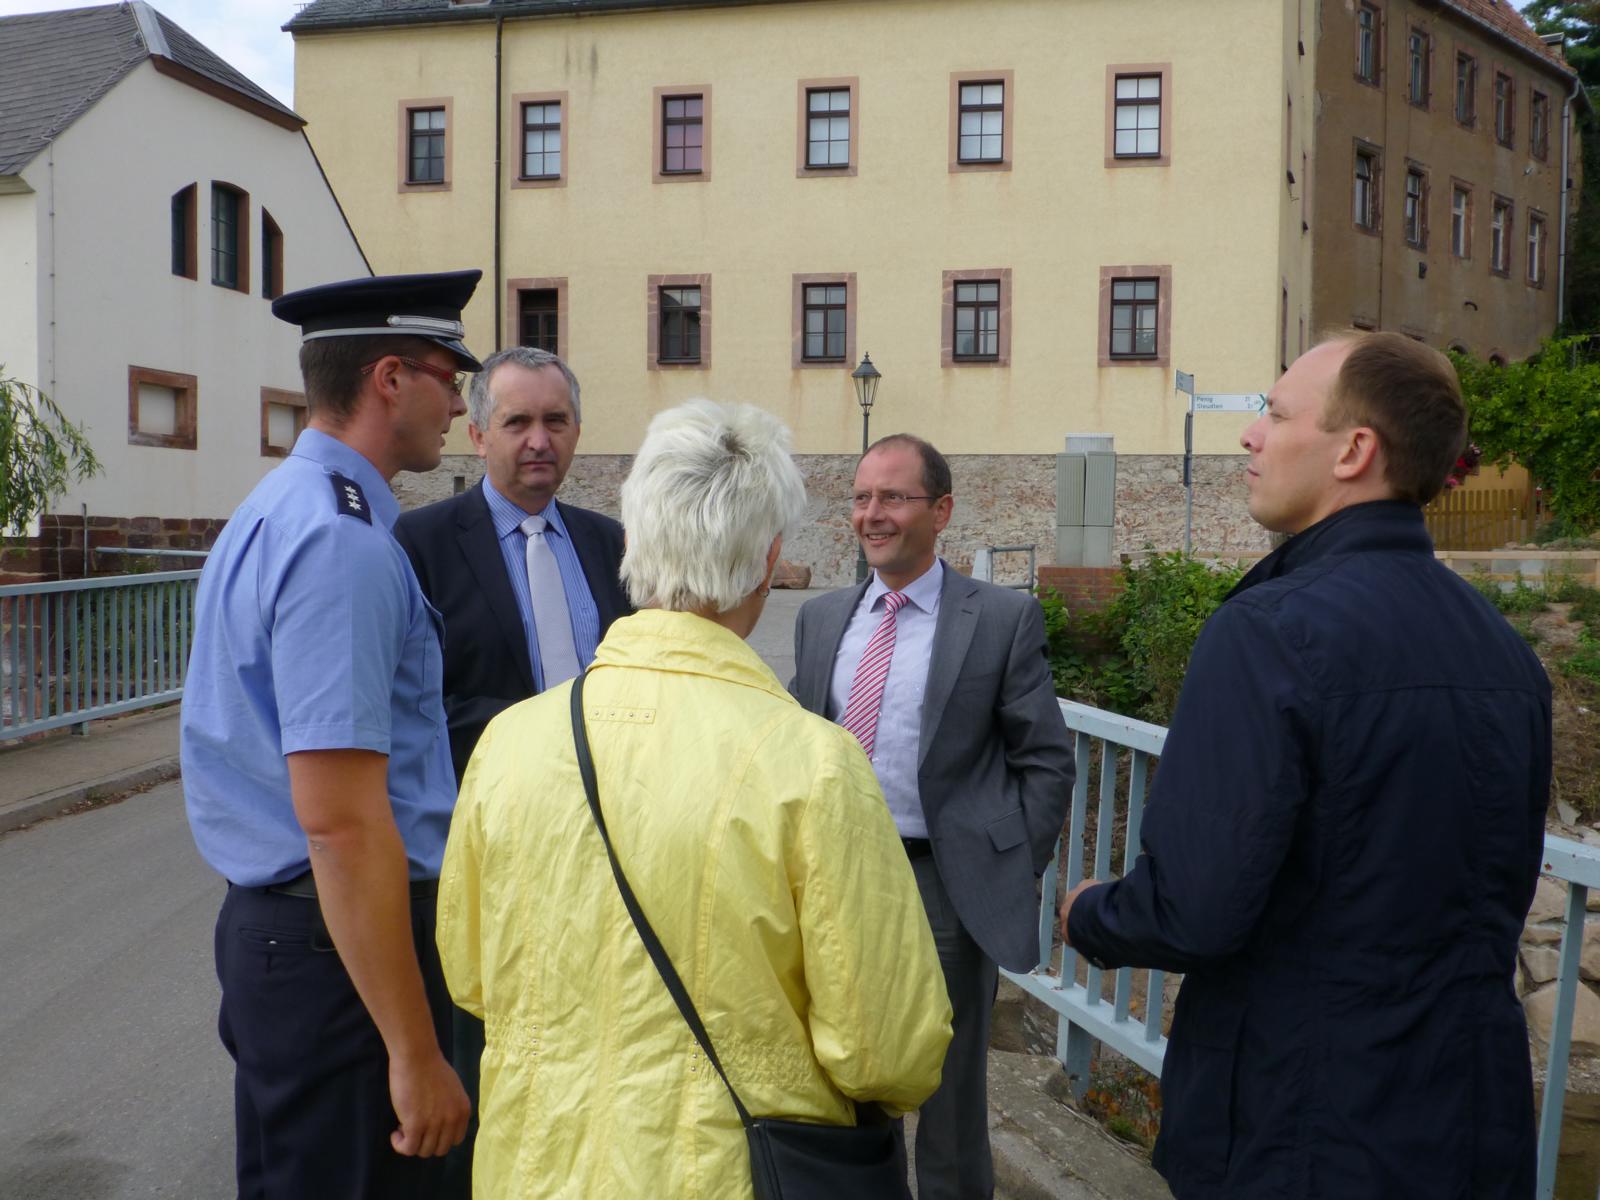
(865, 377)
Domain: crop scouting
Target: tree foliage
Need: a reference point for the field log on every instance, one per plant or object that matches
(40, 453)
(1545, 415)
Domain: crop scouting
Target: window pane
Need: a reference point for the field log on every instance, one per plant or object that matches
(994, 93)
(1127, 87)
(839, 129)
(971, 93)
(815, 345)
(836, 295)
(835, 342)
(839, 154)
(1145, 289)
(970, 148)
(993, 123)
(1150, 87)
(841, 100)
(818, 153)
(835, 320)
(1144, 341)
(966, 344)
(991, 147)
(816, 294)
(971, 122)
(1149, 141)
(1149, 117)
(1128, 117)
(1127, 142)
(965, 320)
(1145, 317)
(817, 101)
(1121, 316)
(1121, 290)
(1121, 341)
(693, 107)
(988, 291)
(436, 119)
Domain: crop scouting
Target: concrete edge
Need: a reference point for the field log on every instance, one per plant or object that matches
(52, 804)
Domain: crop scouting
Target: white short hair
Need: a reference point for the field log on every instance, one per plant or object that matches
(710, 488)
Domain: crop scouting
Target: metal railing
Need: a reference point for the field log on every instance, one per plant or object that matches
(1119, 751)
(73, 651)
(983, 564)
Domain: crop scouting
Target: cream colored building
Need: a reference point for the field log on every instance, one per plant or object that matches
(152, 202)
(437, 127)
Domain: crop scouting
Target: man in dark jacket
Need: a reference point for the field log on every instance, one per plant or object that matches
(1346, 827)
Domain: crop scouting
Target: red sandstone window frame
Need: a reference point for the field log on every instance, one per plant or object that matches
(283, 399)
(186, 390)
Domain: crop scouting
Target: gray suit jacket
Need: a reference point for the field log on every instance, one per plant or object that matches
(995, 762)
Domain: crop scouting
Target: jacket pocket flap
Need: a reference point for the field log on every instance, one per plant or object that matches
(1008, 831)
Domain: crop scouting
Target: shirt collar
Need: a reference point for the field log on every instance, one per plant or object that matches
(508, 517)
(923, 591)
(335, 456)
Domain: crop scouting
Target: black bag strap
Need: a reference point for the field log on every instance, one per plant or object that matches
(652, 944)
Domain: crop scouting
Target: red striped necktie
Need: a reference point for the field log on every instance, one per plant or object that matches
(872, 672)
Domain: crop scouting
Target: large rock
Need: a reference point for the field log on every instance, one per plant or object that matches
(791, 575)
(1540, 964)
(1540, 935)
(1549, 901)
(1541, 1011)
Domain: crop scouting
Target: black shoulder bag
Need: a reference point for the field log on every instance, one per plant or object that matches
(789, 1160)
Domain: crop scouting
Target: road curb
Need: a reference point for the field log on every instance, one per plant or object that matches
(52, 804)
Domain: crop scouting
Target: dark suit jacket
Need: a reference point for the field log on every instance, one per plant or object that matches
(995, 760)
(456, 555)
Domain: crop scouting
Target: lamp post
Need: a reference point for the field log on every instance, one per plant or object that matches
(865, 377)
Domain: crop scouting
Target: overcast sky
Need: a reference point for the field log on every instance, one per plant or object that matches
(246, 33)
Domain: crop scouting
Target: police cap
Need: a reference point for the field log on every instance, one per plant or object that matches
(422, 306)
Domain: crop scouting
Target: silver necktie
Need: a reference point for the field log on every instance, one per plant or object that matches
(552, 623)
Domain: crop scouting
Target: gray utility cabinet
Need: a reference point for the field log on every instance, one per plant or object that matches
(1086, 501)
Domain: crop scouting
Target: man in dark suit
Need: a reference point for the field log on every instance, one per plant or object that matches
(527, 586)
(945, 681)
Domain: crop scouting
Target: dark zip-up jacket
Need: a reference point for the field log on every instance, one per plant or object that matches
(1341, 844)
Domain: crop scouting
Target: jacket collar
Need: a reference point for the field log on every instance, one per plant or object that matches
(1391, 525)
(653, 639)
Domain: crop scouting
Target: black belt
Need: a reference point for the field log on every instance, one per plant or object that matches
(917, 847)
(305, 888)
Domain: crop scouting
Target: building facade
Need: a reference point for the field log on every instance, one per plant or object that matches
(1031, 213)
(152, 202)
(1442, 144)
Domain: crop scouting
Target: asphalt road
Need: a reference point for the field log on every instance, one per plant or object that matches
(112, 1081)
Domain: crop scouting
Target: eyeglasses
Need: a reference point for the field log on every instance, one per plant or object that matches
(890, 500)
(451, 379)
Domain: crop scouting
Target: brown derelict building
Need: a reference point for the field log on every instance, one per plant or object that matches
(1444, 132)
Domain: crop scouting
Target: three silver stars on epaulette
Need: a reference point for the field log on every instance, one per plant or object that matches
(352, 497)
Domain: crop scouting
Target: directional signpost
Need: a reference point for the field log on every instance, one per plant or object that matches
(1239, 402)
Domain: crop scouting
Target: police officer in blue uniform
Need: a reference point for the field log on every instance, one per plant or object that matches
(316, 764)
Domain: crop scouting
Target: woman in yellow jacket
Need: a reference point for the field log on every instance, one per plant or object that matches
(754, 835)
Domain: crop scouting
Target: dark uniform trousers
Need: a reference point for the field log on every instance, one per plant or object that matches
(311, 1088)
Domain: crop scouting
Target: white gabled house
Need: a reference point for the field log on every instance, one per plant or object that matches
(152, 202)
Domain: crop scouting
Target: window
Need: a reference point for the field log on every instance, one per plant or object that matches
(1504, 108)
(161, 408)
(539, 319)
(1134, 303)
(1539, 126)
(975, 318)
(824, 322)
(1367, 32)
(541, 140)
(271, 257)
(1366, 190)
(1138, 116)
(283, 418)
(679, 315)
(425, 144)
(1134, 316)
(1460, 220)
(827, 128)
(682, 134)
(823, 330)
(981, 118)
(829, 123)
(1466, 89)
(425, 151)
(535, 311)
(1500, 236)
(230, 248)
(1419, 50)
(1536, 240)
(1416, 214)
(185, 248)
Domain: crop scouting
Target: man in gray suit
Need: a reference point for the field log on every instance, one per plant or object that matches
(945, 681)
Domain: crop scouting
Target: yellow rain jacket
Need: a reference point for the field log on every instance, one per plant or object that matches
(759, 845)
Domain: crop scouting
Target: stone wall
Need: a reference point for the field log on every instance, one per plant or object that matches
(1001, 500)
(58, 552)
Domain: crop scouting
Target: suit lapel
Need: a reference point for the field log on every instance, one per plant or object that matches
(603, 584)
(832, 621)
(481, 548)
(959, 604)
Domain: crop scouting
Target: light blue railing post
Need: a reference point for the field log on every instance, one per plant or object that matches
(74, 651)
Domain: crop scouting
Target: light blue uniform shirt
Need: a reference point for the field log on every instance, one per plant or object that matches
(311, 634)
(581, 608)
(896, 748)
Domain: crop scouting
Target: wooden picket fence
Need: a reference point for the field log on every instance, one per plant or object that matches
(1480, 519)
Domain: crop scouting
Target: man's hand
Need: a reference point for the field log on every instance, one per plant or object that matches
(1066, 905)
(431, 1104)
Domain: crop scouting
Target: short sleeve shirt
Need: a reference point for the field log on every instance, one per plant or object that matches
(311, 633)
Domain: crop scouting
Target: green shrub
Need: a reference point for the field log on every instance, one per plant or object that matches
(1584, 662)
(1519, 598)
(1524, 627)
(1131, 658)
(1585, 607)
